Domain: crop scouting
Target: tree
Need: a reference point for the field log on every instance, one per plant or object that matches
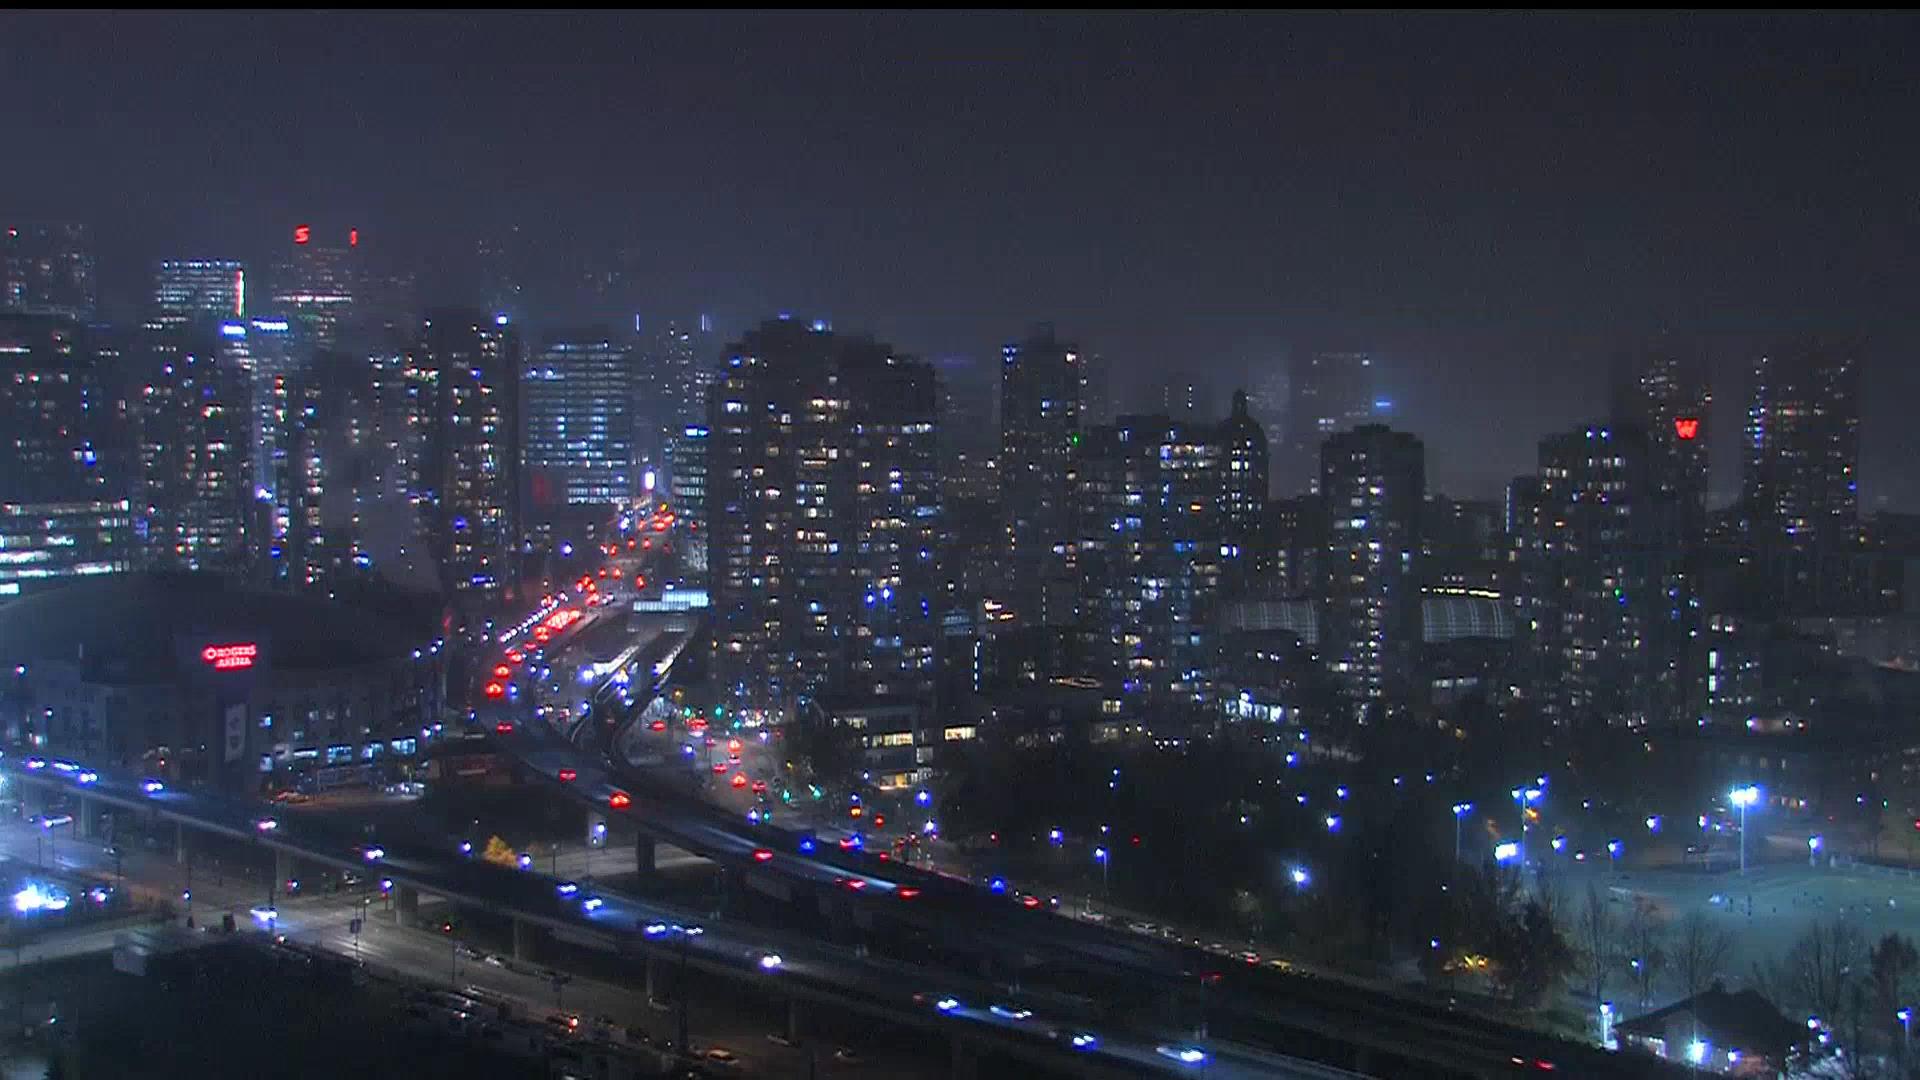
(1531, 955)
(1248, 912)
(1699, 952)
(1645, 939)
(1596, 943)
(1816, 972)
(498, 853)
(826, 751)
(1893, 967)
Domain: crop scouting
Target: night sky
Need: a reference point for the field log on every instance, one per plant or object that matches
(1491, 203)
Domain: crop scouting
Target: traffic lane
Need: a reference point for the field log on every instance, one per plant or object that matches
(624, 915)
(827, 865)
(715, 1009)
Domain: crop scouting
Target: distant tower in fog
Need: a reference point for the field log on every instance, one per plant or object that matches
(1330, 392)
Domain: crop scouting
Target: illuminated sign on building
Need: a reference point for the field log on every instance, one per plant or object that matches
(302, 233)
(230, 657)
(1686, 427)
(353, 237)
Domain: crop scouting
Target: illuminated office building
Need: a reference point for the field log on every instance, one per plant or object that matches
(1373, 487)
(315, 284)
(1042, 388)
(1329, 392)
(62, 514)
(1801, 489)
(578, 399)
(192, 413)
(190, 290)
(46, 269)
(467, 365)
(823, 506)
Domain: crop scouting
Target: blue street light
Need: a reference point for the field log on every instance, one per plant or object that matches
(1743, 797)
(1299, 876)
(1526, 797)
(1460, 810)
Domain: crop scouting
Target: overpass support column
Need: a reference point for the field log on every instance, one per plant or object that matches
(83, 818)
(406, 905)
(796, 1019)
(645, 856)
(282, 868)
(839, 920)
(966, 1062)
(181, 852)
(650, 967)
(526, 938)
(33, 801)
(732, 888)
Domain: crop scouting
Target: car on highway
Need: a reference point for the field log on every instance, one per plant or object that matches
(563, 1023)
(846, 1056)
(1185, 1055)
(723, 1057)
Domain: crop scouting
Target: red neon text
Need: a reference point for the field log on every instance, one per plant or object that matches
(229, 657)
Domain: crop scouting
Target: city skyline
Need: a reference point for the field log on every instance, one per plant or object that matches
(1492, 239)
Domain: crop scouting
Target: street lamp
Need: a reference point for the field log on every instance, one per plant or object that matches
(1526, 797)
(1460, 810)
(1606, 1024)
(1100, 856)
(1905, 1016)
(1813, 850)
(1299, 876)
(1743, 797)
(1614, 847)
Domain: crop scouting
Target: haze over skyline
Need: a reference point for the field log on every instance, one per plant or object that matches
(1492, 204)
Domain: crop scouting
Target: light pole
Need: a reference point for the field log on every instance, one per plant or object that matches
(1613, 854)
(1460, 810)
(1905, 1016)
(1100, 856)
(1743, 797)
(1525, 797)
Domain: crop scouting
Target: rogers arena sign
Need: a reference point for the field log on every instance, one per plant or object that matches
(230, 657)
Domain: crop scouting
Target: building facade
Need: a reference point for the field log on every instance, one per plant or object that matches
(578, 401)
(1373, 483)
(63, 514)
(1329, 392)
(823, 508)
(191, 290)
(1041, 417)
(466, 366)
(1801, 489)
(47, 269)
